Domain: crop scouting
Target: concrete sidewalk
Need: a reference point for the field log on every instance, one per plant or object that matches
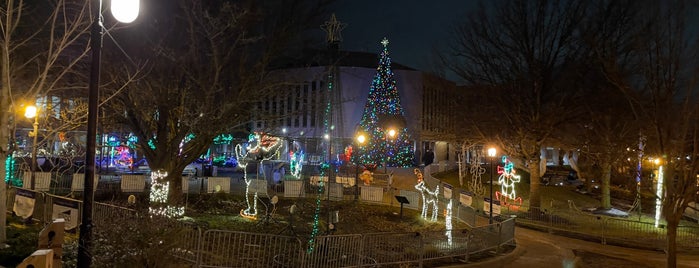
(537, 249)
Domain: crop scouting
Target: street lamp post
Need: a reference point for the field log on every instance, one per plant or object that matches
(32, 112)
(491, 154)
(124, 11)
(360, 139)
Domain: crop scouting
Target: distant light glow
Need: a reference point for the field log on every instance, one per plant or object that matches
(361, 138)
(30, 112)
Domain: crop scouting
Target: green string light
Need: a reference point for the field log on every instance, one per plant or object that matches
(323, 168)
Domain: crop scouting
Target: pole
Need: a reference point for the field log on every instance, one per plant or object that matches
(34, 145)
(356, 180)
(490, 215)
(84, 242)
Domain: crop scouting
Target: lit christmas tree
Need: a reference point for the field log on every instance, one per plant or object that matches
(383, 122)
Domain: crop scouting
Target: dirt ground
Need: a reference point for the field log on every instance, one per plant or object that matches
(348, 217)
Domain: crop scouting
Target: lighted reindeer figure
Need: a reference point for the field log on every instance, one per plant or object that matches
(428, 197)
(507, 181)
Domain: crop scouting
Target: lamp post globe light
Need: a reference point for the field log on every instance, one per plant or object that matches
(32, 112)
(359, 139)
(492, 152)
(124, 11)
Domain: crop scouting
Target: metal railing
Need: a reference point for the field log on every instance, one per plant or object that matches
(220, 248)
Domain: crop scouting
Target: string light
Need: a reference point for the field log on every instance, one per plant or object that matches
(386, 144)
(508, 179)
(158, 197)
(447, 220)
(324, 167)
(296, 163)
(258, 147)
(432, 197)
(10, 177)
(658, 194)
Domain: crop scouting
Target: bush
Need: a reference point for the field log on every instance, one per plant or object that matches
(22, 239)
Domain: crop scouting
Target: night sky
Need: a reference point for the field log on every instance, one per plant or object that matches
(413, 27)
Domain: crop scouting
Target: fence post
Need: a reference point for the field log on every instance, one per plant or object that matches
(422, 251)
(498, 249)
(604, 231)
(199, 242)
(47, 209)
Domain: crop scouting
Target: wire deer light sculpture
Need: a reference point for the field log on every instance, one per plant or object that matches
(477, 172)
(428, 197)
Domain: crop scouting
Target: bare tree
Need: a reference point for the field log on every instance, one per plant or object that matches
(207, 69)
(520, 52)
(657, 78)
(42, 44)
(612, 125)
(668, 94)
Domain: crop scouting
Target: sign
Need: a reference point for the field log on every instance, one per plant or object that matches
(447, 190)
(496, 206)
(24, 203)
(466, 198)
(66, 210)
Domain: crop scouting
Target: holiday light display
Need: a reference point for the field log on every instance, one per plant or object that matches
(477, 172)
(431, 198)
(324, 167)
(296, 163)
(223, 139)
(258, 148)
(122, 157)
(447, 220)
(658, 199)
(10, 177)
(158, 197)
(507, 181)
(383, 120)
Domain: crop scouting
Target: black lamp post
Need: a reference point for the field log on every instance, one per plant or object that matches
(124, 11)
(32, 112)
(491, 154)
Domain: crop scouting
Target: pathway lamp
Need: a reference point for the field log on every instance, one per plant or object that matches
(491, 155)
(124, 11)
(32, 112)
(360, 139)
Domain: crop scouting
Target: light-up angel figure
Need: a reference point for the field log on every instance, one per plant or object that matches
(507, 181)
(259, 147)
(428, 197)
(296, 163)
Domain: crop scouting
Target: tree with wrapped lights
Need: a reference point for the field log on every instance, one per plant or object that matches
(383, 123)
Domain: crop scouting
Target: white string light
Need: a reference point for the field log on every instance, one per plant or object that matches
(158, 196)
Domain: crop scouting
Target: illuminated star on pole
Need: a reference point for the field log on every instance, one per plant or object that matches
(334, 28)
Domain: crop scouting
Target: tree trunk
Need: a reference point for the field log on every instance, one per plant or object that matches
(671, 248)
(606, 178)
(175, 190)
(534, 185)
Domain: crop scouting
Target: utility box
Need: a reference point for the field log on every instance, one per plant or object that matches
(42, 258)
(51, 237)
